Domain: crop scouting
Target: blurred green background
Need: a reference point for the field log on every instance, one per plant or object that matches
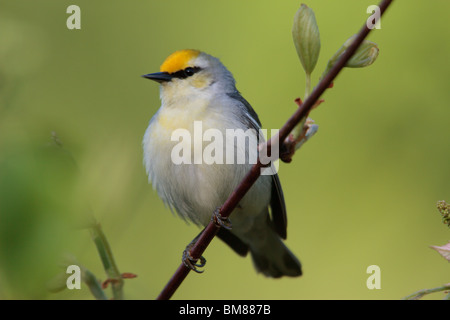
(362, 192)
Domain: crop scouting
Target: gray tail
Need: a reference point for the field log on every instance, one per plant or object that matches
(275, 260)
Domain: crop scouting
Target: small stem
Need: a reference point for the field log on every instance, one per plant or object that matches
(94, 286)
(419, 294)
(307, 85)
(298, 130)
(447, 297)
(108, 261)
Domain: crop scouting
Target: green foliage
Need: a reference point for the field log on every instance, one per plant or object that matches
(358, 194)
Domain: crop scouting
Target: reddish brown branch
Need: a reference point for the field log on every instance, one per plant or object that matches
(233, 200)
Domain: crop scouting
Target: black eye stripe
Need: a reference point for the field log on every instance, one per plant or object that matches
(183, 74)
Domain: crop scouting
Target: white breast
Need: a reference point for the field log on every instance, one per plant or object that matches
(195, 190)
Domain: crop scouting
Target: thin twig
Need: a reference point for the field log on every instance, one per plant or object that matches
(109, 264)
(211, 229)
(419, 294)
(94, 286)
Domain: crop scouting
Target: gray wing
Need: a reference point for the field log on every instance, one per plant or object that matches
(278, 207)
(277, 204)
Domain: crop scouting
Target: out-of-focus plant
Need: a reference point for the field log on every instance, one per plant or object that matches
(444, 209)
(114, 277)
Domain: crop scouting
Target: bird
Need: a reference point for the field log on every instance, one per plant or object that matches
(196, 87)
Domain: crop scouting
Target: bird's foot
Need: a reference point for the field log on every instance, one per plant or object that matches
(189, 261)
(221, 221)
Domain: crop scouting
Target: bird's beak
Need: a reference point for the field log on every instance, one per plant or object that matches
(158, 76)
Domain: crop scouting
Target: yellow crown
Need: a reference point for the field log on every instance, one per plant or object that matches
(178, 60)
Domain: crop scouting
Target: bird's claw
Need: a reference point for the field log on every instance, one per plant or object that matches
(191, 263)
(221, 221)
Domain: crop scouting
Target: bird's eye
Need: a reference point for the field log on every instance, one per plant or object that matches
(189, 71)
(183, 74)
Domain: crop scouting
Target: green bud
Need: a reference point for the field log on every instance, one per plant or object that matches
(364, 56)
(305, 33)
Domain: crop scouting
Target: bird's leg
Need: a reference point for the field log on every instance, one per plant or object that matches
(190, 262)
(221, 221)
(187, 259)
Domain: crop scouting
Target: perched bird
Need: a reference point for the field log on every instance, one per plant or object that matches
(197, 87)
